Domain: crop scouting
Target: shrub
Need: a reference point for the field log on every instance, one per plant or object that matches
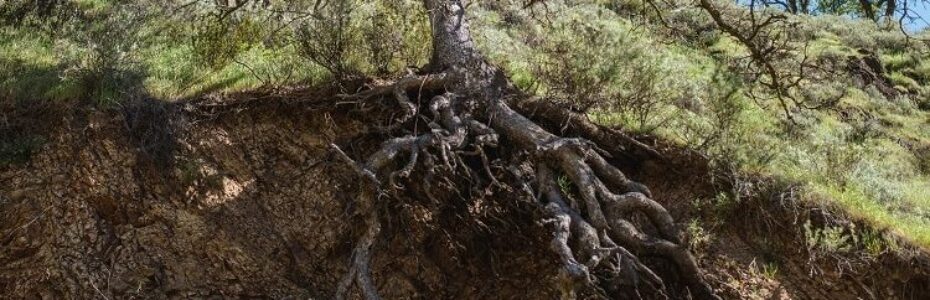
(216, 42)
(595, 62)
(921, 72)
(393, 36)
(327, 38)
(829, 238)
(45, 14)
(857, 33)
(89, 51)
(99, 51)
(909, 85)
(152, 127)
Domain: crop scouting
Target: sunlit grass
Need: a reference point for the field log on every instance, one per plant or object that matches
(911, 225)
(31, 68)
(34, 66)
(172, 73)
(858, 157)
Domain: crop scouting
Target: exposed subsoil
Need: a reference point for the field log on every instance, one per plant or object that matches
(238, 196)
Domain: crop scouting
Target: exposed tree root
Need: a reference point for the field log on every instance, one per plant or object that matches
(609, 213)
(359, 270)
(448, 133)
(571, 121)
(594, 234)
(624, 266)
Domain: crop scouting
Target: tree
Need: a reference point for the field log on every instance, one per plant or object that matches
(862, 8)
(867, 8)
(473, 106)
(890, 8)
(791, 6)
(868, 11)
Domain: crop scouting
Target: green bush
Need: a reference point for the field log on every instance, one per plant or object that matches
(854, 33)
(595, 62)
(394, 36)
(216, 42)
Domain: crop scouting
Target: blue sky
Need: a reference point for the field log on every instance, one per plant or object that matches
(917, 7)
(921, 9)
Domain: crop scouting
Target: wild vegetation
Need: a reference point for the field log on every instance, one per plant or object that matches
(829, 98)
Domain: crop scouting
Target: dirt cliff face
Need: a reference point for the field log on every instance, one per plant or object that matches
(239, 197)
(250, 207)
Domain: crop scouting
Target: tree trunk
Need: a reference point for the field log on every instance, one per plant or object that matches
(867, 10)
(454, 51)
(890, 7)
(452, 43)
(792, 6)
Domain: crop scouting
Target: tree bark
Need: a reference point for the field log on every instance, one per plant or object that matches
(804, 6)
(454, 50)
(867, 10)
(793, 6)
(452, 43)
(890, 7)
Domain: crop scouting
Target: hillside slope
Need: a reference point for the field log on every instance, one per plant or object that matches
(253, 206)
(157, 150)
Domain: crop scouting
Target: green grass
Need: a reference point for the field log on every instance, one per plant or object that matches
(910, 225)
(37, 66)
(173, 74)
(31, 68)
(875, 178)
(863, 162)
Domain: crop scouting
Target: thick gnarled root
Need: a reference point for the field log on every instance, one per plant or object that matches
(448, 133)
(594, 237)
(609, 200)
(359, 270)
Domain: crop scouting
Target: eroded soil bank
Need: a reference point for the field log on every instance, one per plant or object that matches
(237, 196)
